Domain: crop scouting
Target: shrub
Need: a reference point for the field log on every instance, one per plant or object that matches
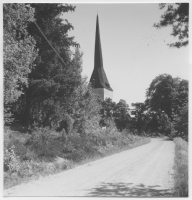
(181, 168)
(44, 144)
(11, 161)
(18, 140)
(66, 123)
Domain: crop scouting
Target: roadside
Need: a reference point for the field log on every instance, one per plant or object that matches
(145, 171)
(181, 168)
(41, 153)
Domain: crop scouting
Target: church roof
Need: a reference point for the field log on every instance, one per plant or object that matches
(98, 77)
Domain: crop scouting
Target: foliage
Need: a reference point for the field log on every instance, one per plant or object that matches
(46, 147)
(169, 96)
(139, 121)
(152, 123)
(181, 123)
(107, 110)
(181, 168)
(27, 156)
(164, 124)
(42, 142)
(121, 114)
(176, 15)
(11, 162)
(159, 94)
(53, 80)
(18, 50)
(66, 123)
(86, 108)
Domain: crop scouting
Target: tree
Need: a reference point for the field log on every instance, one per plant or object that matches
(152, 125)
(18, 50)
(121, 114)
(139, 116)
(108, 107)
(54, 78)
(181, 123)
(180, 120)
(165, 125)
(86, 109)
(177, 16)
(167, 97)
(160, 94)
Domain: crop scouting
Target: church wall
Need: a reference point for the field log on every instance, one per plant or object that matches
(108, 94)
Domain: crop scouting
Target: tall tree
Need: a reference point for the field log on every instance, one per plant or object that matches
(181, 123)
(18, 50)
(56, 75)
(177, 16)
(164, 124)
(139, 116)
(86, 109)
(121, 114)
(159, 94)
(167, 97)
(152, 125)
(107, 111)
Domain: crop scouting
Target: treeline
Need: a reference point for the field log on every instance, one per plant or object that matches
(42, 75)
(43, 86)
(165, 110)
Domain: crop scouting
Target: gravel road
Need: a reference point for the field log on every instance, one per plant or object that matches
(145, 171)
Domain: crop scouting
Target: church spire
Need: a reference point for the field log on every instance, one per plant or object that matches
(98, 60)
(99, 78)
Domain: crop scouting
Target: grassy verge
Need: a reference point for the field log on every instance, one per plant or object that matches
(41, 153)
(181, 168)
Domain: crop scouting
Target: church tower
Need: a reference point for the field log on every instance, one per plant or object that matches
(99, 79)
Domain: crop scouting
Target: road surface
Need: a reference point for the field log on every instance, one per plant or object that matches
(145, 171)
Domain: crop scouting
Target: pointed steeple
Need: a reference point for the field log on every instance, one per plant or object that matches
(98, 77)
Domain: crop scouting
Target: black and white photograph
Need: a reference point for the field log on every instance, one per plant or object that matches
(95, 99)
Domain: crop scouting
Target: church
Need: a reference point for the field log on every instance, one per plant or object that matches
(98, 78)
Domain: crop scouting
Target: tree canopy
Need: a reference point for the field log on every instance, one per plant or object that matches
(52, 81)
(168, 98)
(160, 94)
(139, 120)
(177, 16)
(19, 50)
(121, 114)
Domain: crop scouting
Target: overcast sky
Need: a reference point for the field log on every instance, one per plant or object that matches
(134, 52)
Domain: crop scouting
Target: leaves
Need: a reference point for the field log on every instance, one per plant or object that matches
(139, 120)
(18, 51)
(177, 16)
(169, 96)
(52, 82)
(107, 111)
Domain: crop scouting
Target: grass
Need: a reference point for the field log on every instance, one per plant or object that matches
(42, 152)
(181, 168)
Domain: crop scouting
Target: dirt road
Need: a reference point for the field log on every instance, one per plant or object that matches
(145, 171)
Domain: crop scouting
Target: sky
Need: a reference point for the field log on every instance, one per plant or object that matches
(134, 51)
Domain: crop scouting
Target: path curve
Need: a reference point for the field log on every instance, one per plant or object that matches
(145, 171)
